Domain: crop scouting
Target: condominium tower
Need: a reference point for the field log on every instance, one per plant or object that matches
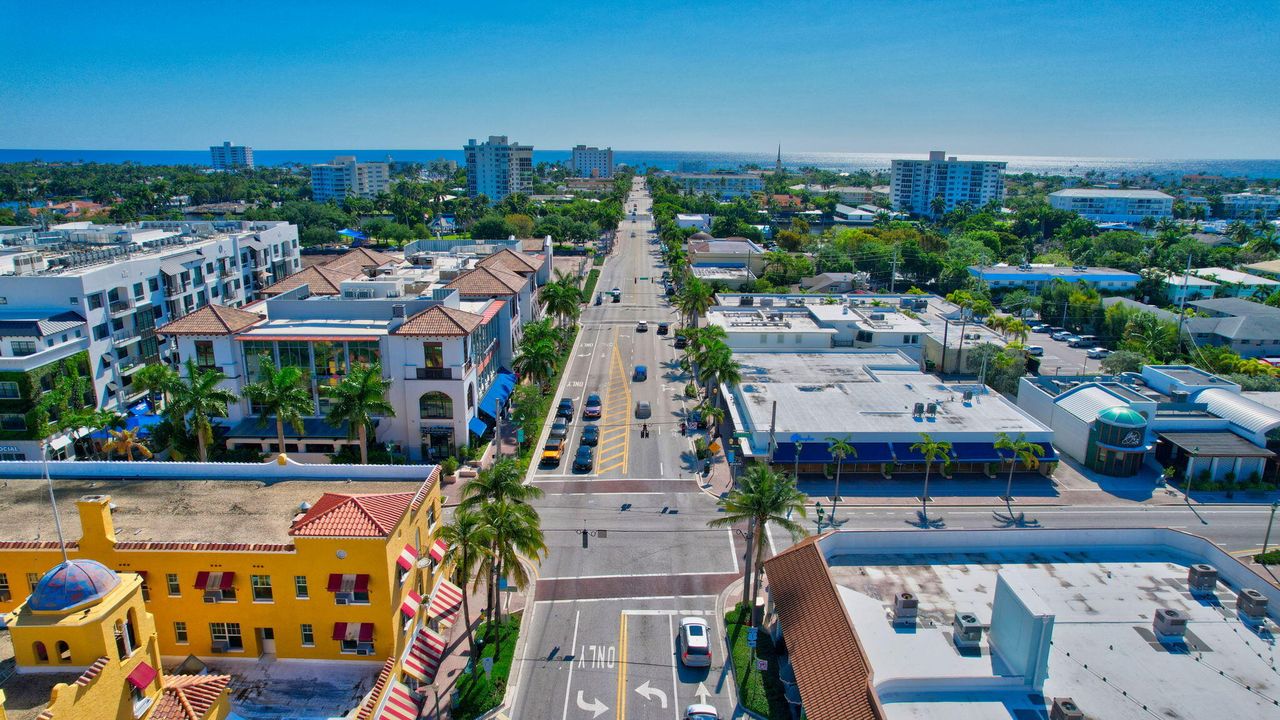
(231, 157)
(592, 161)
(918, 183)
(497, 168)
(345, 176)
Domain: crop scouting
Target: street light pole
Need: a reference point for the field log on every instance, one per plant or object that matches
(1266, 540)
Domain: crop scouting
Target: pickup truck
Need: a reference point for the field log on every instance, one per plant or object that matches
(553, 451)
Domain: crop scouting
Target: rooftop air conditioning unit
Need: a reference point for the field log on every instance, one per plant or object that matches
(967, 631)
(973, 336)
(1065, 709)
(906, 606)
(1169, 623)
(1202, 579)
(968, 396)
(766, 302)
(931, 409)
(918, 410)
(1179, 396)
(397, 311)
(343, 598)
(1252, 605)
(876, 316)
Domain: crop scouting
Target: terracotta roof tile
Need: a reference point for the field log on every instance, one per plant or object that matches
(343, 515)
(320, 279)
(203, 546)
(358, 259)
(375, 693)
(487, 281)
(211, 320)
(511, 261)
(831, 668)
(92, 671)
(189, 697)
(441, 321)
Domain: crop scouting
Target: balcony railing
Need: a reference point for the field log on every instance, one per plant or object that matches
(119, 306)
(423, 373)
(123, 337)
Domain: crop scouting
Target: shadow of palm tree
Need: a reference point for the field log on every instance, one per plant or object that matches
(924, 522)
(1011, 519)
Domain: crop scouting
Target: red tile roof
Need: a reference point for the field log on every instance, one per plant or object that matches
(375, 694)
(92, 672)
(211, 320)
(511, 261)
(189, 697)
(440, 321)
(203, 546)
(831, 668)
(487, 281)
(344, 515)
(320, 280)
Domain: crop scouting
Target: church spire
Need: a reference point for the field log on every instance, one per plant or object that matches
(778, 165)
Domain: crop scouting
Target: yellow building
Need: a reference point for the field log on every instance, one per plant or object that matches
(241, 569)
(85, 648)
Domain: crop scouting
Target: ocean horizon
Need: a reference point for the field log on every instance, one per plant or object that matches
(671, 159)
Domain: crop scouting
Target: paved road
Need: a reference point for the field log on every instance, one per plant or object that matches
(599, 641)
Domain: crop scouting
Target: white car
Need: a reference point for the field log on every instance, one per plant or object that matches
(1098, 353)
(695, 642)
(1035, 350)
(642, 326)
(699, 711)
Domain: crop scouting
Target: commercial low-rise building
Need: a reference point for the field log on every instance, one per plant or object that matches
(724, 186)
(1250, 206)
(1238, 284)
(1108, 205)
(783, 323)
(1034, 276)
(700, 221)
(702, 249)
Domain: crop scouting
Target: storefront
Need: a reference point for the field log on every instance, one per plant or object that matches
(1117, 442)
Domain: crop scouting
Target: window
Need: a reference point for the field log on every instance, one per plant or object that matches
(349, 646)
(13, 421)
(5, 595)
(180, 632)
(153, 284)
(300, 587)
(40, 651)
(9, 390)
(308, 635)
(261, 587)
(226, 635)
(204, 354)
(75, 300)
(171, 579)
(95, 301)
(32, 580)
(435, 405)
(431, 516)
(137, 291)
(23, 347)
(433, 354)
(64, 652)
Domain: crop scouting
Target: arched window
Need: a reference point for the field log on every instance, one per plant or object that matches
(122, 644)
(434, 405)
(131, 630)
(64, 652)
(471, 396)
(41, 653)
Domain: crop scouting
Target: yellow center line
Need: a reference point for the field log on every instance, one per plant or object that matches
(622, 666)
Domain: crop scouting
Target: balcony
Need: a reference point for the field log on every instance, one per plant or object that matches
(124, 337)
(425, 373)
(120, 306)
(44, 356)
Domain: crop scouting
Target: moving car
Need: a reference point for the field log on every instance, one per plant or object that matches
(590, 435)
(698, 711)
(681, 341)
(559, 429)
(663, 328)
(1041, 329)
(585, 459)
(642, 326)
(643, 410)
(553, 451)
(565, 410)
(617, 294)
(1097, 353)
(641, 374)
(695, 642)
(591, 410)
(1035, 350)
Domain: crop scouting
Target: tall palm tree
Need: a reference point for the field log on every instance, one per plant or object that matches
(1240, 233)
(938, 205)
(1019, 329)
(839, 449)
(718, 366)
(712, 415)
(500, 483)
(932, 450)
(157, 379)
(694, 299)
(537, 361)
(469, 541)
(762, 497)
(280, 392)
(196, 399)
(1266, 240)
(125, 442)
(361, 396)
(1020, 449)
(562, 299)
(516, 532)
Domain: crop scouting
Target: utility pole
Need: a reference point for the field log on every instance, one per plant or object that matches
(1266, 540)
(1182, 304)
(946, 326)
(893, 274)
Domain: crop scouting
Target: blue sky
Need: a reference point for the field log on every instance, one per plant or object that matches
(1142, 79)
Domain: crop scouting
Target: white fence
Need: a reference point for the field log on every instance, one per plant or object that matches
(268, 472)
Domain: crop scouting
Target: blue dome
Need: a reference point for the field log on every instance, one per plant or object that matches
(72, 584)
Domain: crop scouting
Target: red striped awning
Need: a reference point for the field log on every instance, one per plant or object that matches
(400, 704)
(348, 583)
(361, 632)
(438, 549)
(408, 556)
(411, 603)
(424, 655)
(142, 676)
(446, 599)
(215, 580)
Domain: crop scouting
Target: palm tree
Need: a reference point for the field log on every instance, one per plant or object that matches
(717, 366)
(280, 393)
(1020, 449)
(1266, 240)
(839, 449)
(125, 442)
(500, 483)
(356, 400)
(515, 532)
(563, 299)
(1019, 329)
(762, 497)
(694, 299)
(469, 543)
(712, 415)
(775, 260)
(197, 398)
(938, 205)
(1240, 233)
(157, 379)
(537, 361)
(931, 450)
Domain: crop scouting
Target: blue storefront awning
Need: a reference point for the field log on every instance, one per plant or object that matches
(1049, 454)
(503, 383)
(820, 452)
(978, 452)
(903, 453)
(478, 426)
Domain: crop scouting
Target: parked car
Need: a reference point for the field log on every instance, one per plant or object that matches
(1097, 353)
(565, 410)
(591, 410)
(1041, 329)
(643, 410)
(1035, 350)
(1088, 341)
(559, 429)
(584, 460)
(1061, 335)
(695, 642)
(641, 374)
(698, 711)
(663, 328)
(590, 435)
(552, 451)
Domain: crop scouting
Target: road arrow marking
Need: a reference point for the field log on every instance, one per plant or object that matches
(702, 693)
(596, 707)
(648, 692)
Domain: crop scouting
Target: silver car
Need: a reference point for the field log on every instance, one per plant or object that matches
(695, 642)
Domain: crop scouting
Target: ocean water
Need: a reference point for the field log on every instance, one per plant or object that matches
(671, 160)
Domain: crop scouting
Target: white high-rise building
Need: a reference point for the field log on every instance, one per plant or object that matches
(344, 176)
(592, 161)
(231, 157)
(916, 183)
(497, 168)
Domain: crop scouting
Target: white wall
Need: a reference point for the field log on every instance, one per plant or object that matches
(267, 472)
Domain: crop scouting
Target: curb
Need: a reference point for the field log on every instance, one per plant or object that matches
(721, 604)
(531, 471)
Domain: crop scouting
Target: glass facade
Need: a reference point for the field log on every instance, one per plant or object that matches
(321, 362)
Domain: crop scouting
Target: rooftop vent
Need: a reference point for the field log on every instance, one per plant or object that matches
(1065, 709)
(906, 606)
(876, 316)
(918, 410)
(1252, 605)
(1202, 579)
(766, 302)
(968, 396)
(397, 311)
(932, 409)
(1169, 623)
(967, 631)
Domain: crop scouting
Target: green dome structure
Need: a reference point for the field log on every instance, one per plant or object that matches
(1122, 416)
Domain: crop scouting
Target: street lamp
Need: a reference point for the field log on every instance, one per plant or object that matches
(1266, 540)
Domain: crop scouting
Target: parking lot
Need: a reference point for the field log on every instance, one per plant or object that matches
(1062, 359)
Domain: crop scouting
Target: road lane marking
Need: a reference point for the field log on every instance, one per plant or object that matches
(573, 648)
(733, 550)
(622, 666)
(619, 599)
(675, 660)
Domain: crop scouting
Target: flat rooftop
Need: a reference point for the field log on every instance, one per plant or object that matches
(711, 272)
(1103, 655)
(174, 511)
(817, 367)
(764, 320)
(1112, 193)
(302, 329)
(1063, 271)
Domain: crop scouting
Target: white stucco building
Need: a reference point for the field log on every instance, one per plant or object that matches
(916, 183)
(1250, 206)
(1116, 206)
(724, 186)
(344, 176)
(591, 162)
(231, 157)
(497, 168)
